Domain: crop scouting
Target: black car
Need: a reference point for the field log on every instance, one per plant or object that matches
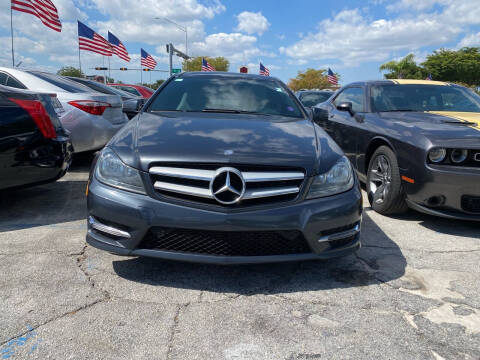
(224, 168)
(311, 98)
(414, 143)
(34, 147)
(131, 104)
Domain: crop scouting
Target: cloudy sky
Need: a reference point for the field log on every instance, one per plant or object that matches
(351, 37)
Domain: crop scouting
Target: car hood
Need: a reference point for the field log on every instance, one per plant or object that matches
(217, 138)
(439, 125)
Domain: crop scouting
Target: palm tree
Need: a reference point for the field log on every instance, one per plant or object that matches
(405, 68)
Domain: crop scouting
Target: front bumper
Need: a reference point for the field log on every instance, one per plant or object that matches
(439, 189)
(38, 162)
(137, 214)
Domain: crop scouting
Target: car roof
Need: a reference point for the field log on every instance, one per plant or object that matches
(315, 91)
(399, 82)
(224, 74)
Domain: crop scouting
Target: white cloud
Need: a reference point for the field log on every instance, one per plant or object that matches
(470, 40)
(354, 39)
(234, 46)
(415, 4)
(251, 23)
(130, 23)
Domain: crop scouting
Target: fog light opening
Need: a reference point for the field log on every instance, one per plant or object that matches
(435, 201)
(107, 229)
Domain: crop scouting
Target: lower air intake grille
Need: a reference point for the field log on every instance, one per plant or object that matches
(471, 203)
(226, 243)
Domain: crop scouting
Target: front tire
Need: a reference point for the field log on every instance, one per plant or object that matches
(384, 185)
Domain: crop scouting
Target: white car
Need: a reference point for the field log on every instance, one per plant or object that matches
(91, 118)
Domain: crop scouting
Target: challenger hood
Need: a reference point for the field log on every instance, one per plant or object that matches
(438, 125)
(218, 138)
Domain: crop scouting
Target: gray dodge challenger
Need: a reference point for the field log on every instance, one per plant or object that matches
(224, 168)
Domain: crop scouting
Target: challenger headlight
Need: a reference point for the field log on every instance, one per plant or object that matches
(112, 171)
(336, 180)
(437, 155)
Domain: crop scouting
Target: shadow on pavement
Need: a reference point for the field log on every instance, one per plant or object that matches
(463, 228)
(380, 258)
(49, 204)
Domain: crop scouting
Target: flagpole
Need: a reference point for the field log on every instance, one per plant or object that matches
(79, 61)
(104, 72)
(109, 68)
(11, 30)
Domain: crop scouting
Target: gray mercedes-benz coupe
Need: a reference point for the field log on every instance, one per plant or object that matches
(224, 168)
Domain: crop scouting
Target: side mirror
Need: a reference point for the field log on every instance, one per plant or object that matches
(346, 106)
(309, 112)
(319, 115)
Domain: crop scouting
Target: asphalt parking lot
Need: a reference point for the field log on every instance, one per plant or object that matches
(411, 292)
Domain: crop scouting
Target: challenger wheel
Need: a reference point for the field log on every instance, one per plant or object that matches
(384, 186)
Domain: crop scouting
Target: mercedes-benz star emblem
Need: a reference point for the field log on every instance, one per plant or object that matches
(228, 186)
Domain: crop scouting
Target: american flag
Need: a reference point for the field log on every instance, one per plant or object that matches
(331, 77)
(264, 70)
(206, 66)
(89, 40)
(43, 9)
(117, 47)
(147, 60)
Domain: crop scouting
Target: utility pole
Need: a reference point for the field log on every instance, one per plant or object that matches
(170, 55)
(182, 28)
(171, 51)
(11, 30)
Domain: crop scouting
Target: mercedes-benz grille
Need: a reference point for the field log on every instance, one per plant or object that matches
(227, 185)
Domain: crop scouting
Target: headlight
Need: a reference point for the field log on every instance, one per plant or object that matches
(437, 155)
(112, 171)
(459, 155)
(336, 180)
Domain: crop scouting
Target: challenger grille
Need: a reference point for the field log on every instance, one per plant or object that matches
(253, 185)
(471, 203)
(225, 243)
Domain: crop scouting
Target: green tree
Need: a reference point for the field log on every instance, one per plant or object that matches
(195, 64)
(406, 68)
(70, 71)
(310, 79)
(154, 85)
(461, 66)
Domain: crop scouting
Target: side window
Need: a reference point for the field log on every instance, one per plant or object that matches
(3, 78)
(130, 90)
(15, 83)
(354, 95)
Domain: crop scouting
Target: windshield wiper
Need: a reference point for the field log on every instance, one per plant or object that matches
(468, 123)
(232, 111)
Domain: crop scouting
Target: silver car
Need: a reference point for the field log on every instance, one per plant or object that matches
(92, 118)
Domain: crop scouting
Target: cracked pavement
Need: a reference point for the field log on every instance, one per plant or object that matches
(411, 292)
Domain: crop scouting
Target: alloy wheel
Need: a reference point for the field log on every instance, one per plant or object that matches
(380, 179)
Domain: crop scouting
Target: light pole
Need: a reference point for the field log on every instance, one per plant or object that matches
(183, 28)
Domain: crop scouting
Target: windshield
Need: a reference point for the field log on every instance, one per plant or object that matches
(423, 98)
(314, 98)
(105, 89)
(62, 83)
(226, 94)
(150, 90)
